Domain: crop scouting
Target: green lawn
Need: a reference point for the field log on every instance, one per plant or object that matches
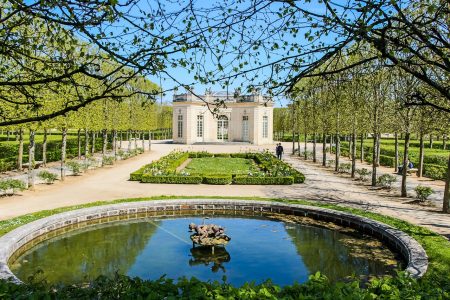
(220, 165)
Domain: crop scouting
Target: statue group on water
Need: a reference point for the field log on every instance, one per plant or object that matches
(208, 235)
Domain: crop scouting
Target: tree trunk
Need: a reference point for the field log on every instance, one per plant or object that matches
(31, 147)
(350, 147)
(86, 143)
(44, 148)
(353, 153)
(298, 143)
(135, 139)
(378, 149)
(445, 203)
(7, 135)
(331, 143)
(338, 151)
(421, 153)
(374, 160)
(114, 143)
(293, 142)
(396, 152)
(63, 152)
(305, 154)
(121, 138)
(405, 164)
(314, 148)
(143, 141)
(105, 142)
(431, 141)
(324, 149)
(149, 140)
(20, 154)
(79, 143)
(444, 142)
(129, 140)
(93, 142)
(362, 147)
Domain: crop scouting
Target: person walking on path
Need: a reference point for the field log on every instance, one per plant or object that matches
(279, 150)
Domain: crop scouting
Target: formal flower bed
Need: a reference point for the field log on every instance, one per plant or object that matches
(219, 168)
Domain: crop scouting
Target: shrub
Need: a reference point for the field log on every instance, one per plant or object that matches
(217, 179)
(222, 155)
(247, 180)
(344, 168)
(200, 154)
(387, 161)
(107, 160)
(92, 161)
(309, 154)
(363, 174)
(12, 184)
(47, 176)
(268, 167)
(148, 178)
(435, 172)
(423, 192)
(386, 180)
(137, 175)
(243, 155)
(74, 166)
(7, 164)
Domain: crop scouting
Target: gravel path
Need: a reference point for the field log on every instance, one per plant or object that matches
(321, 184)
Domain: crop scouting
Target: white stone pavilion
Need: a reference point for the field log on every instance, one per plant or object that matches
(246, 118)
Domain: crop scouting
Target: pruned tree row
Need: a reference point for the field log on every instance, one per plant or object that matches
(366, 101)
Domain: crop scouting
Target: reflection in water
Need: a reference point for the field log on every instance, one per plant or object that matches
(86, 255)
(261, 249)
(216, 256)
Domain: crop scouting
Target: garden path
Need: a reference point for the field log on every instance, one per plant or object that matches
(322, 184)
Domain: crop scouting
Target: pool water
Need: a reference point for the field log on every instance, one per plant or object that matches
(260, 249)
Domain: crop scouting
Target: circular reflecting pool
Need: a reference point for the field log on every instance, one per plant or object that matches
(260, 248)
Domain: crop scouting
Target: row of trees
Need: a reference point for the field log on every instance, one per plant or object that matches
(369, 99)
(130, 118)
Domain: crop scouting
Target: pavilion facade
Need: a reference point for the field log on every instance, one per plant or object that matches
(245, 118)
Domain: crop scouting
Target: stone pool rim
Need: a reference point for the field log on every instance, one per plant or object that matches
(409, 248)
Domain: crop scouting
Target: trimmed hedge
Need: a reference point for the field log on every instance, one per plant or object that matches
(434, 171)
(387, 161)
(137, 175)
(227, 155)
(217, 179)
(298, 176)
(148, 178)
(248, 180)
(434, 166)
(200, 154)
(167, 165)
(10, 150)
(271, 170)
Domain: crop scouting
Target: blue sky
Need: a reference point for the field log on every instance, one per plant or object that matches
(209, 61)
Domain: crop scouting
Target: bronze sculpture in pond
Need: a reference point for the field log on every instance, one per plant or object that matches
(208, 235)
